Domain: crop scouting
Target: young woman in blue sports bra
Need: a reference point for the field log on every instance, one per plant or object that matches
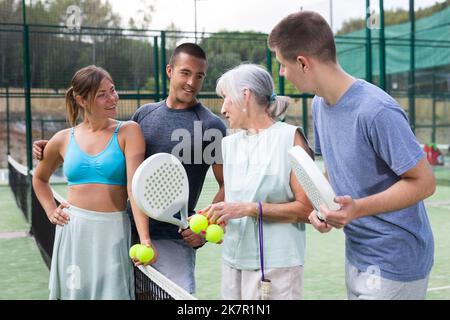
(99, 156)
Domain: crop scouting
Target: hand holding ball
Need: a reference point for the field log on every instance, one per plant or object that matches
(133, 250)
(142, 253)
(198, 223)
(214, 233)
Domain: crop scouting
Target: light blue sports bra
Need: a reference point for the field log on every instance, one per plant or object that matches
(106, 167)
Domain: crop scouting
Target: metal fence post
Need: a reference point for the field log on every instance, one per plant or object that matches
(382, 49)
(433, 119)
(163, 65)
(27, 91)
(305, 115)
(156, 67)
(8, 121)
(269, 60)
(280, 82)
(368, 45)
(138, 100)
(27, 86)
(412, 69)
(42, 129)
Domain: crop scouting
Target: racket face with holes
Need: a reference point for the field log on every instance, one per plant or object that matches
(160, 189)
(313, 182)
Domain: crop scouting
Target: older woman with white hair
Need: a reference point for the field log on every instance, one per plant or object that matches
(262, 195)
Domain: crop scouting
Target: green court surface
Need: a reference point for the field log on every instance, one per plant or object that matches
(23, 274)
(442, 174)
(11, 218)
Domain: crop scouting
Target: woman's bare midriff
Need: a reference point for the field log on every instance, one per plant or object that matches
(98, 197)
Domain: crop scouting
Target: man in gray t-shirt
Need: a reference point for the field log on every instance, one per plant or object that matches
(182, 126)
(373, 161)
(181, 132)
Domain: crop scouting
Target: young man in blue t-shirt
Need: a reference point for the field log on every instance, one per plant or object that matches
(373, 161)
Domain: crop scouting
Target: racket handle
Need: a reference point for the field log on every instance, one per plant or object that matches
(178, 222)
(184, 216)
(320, 216)
(266, 288)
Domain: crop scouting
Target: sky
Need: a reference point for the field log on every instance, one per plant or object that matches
(247, 15)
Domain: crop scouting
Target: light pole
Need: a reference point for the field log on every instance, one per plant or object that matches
(331, 15)
(195, 19)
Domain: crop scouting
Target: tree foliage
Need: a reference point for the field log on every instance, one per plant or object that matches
(228, 49)
(55, 53)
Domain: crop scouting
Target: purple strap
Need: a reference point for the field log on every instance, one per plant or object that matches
(261, 241)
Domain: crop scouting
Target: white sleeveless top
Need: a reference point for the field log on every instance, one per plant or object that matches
(256, 168)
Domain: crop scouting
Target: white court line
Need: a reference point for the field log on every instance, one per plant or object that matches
(3, 175)
(438, 288)
(14, 235)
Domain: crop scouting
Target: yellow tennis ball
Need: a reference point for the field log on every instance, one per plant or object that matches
(133, 250)
(214, 233)
(198, 223)
(144, 254)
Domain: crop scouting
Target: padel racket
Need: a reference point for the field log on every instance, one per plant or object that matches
(313, 182)
(161, 189)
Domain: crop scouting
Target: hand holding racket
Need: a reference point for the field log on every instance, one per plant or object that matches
(348, 211)
(317, 223)
(313, 182)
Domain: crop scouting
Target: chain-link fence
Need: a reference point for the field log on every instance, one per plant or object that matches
(42, 46)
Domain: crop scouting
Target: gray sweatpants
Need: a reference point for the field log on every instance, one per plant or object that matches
(369, 285)
(176, 261)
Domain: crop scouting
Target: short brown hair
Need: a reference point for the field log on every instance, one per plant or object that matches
(85, 83)
(304, 33)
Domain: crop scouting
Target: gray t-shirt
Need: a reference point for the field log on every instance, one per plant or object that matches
(194, 135)
(367, 143)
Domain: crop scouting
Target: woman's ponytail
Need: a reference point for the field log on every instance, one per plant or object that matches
(278, 106)
(73, 110)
